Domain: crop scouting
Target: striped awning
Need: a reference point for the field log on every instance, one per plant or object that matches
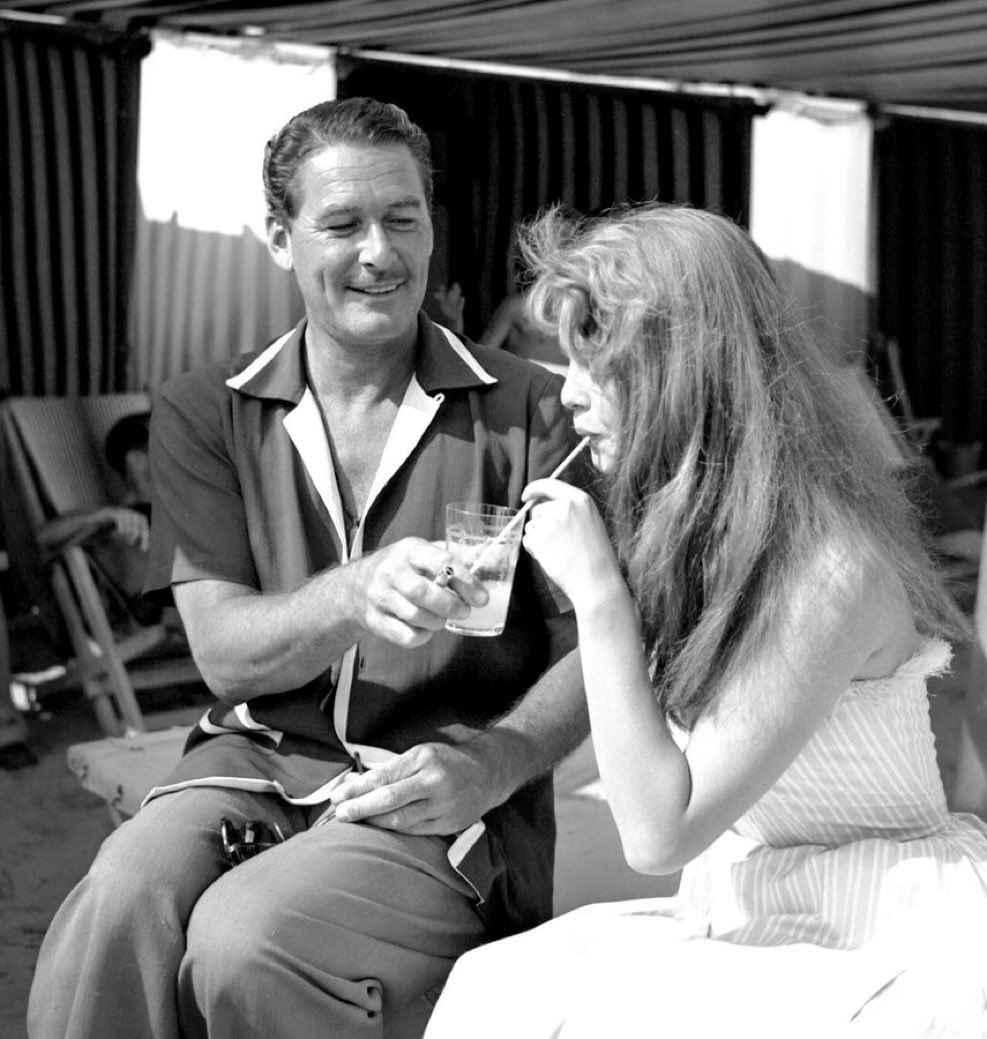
(919, 52)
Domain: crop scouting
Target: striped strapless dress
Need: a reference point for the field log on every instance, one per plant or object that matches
(846, 901)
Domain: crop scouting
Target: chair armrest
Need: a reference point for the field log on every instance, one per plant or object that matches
(54, 540)
(974, 479)
(960, 545)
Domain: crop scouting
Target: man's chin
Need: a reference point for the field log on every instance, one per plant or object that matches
(377, 329)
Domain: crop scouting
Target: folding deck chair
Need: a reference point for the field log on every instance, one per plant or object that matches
(54, 464)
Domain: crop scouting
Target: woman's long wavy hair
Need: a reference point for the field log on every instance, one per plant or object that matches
(741, 449)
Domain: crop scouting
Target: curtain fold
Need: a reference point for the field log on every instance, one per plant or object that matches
(205, 287)
(932, 258)
(507, 147)
(68, 138)
(812, 214)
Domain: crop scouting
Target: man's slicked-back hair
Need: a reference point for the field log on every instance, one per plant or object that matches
(355, 121)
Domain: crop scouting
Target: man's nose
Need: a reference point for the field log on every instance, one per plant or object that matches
(376, 249)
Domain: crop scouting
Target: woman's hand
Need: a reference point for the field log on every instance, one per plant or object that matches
(566, 535)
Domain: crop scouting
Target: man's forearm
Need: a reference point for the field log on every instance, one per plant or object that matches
(248, 644)
(542, 728)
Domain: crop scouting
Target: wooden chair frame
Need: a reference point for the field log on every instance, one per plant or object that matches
(53, 450)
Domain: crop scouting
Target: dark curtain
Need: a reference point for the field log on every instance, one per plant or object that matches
(932, 255)
(506, 147)
(68, 149)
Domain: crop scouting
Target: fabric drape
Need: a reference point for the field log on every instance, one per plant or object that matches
(812, 214)
(68, 135)
(506, 147)
(205, 287)
(932, 211)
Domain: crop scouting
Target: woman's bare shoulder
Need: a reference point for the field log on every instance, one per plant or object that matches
(860, 591)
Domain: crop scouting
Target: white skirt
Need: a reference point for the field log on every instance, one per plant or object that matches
(639, 968)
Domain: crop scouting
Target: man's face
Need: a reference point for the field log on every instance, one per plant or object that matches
(359, 244)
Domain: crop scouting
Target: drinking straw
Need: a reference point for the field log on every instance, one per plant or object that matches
(519, 518)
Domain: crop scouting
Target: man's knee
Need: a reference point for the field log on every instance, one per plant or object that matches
(124, 878)
(141, 872)
(231, 930)
(336, 927)
(247, 922)
(256, 964)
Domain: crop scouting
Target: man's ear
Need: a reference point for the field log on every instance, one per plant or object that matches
(279, 242)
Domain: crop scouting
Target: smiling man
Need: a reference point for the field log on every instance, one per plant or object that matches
(359, 243)
(298, 524)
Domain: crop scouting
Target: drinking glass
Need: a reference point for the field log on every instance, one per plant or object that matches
(475, 536)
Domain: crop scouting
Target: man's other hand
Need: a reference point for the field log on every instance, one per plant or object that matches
(129, 526)
(433, 788)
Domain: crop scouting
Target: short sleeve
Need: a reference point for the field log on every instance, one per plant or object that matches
(198, 521)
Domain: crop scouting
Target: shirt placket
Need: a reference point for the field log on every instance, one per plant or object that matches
(304, 425)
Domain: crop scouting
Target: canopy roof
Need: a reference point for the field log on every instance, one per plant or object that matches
(924, 52)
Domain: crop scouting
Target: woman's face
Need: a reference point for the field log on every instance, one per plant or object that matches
(593, 413)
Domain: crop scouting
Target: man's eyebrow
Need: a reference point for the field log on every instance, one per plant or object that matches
(408, 200)
(337, 209)
(344, 208)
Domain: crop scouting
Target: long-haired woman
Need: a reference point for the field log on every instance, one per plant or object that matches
(757, 619)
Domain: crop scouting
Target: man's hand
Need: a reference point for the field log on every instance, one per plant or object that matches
(433, 788)
(398, 597)
(247, 643)
(129, 525)
(451, 302)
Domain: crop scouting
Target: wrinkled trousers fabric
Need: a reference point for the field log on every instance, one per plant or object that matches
(343, 930)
